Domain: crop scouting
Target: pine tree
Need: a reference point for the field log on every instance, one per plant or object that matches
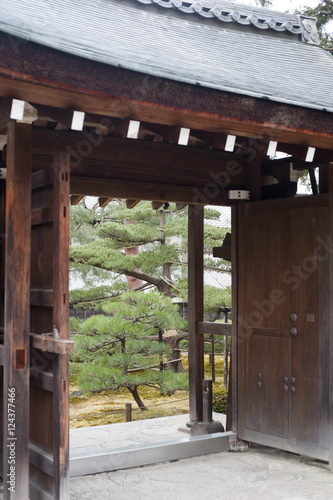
(122, 347)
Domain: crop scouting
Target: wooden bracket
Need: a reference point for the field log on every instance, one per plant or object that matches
(47, 343)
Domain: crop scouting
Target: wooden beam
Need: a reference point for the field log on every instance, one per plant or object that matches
(17, 310)
(155, 205)
(103, 202)
(75, 200)
(89, 186)
(195, 311)
(244, 116)
(224, 251)
(47, 343)
(180, 206)
(300, 152)
(5, 107)
(132, 203)
(94, 147)
(211, 328)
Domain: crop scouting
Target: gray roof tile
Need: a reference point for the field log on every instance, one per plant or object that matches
(199, 53)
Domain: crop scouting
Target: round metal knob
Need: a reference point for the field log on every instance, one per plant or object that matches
(285, 379)
(293, 389)
(259, 376)
(259, 385)
(285, 388)
(293, 317)
(293, 331)
(293, 380)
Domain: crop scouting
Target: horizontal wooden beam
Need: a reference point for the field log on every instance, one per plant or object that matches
(40, 378)
(209, 327)
(249, 124)
(41, 459)
(41, 297)
(42, 178)
(47, 343)
(41, 215)
(146, 191)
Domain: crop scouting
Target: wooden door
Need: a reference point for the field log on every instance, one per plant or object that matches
(49, 447)
(282, 325)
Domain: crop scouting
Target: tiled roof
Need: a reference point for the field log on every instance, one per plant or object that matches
(148, 39)
(229, 12)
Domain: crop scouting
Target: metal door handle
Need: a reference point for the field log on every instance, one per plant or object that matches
(293, 331)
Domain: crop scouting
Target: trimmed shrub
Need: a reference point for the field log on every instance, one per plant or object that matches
(220, 400)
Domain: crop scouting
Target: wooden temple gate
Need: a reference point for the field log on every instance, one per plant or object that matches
(166, 139)
(281, 321)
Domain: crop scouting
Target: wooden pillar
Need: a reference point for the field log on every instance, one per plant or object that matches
(233, 374)
(60, 321)
(328, 176)
(195, 311)
(17, 317)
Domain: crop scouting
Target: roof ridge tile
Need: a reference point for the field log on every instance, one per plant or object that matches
(261, 18)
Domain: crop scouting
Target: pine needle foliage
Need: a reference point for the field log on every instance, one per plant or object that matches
(121, 347)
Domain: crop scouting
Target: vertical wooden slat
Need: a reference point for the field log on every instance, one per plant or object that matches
(255, 178)
(195, 310)
(329, 181)
(60, 321)
(233, 374)
(17, 302)
(2, 289)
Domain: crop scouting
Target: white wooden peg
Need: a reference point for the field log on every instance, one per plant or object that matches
(310, 154)
(78, 120)
(184, 136)
(17, 111)
(271, 151)
(230, 143)
(133, 129)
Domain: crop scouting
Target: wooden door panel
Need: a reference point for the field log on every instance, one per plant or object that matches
(261, 259)
(280, 276)
(307, 227)
(267, 367)
(49, 446)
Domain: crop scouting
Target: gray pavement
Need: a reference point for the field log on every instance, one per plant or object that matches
(257, 474)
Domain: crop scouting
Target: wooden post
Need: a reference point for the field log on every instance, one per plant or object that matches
(329, 185)
(60, 321)
(128, 412)
(225, 354)
(17, 315)
(212, 356)
(233, 378)
(195, 311)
